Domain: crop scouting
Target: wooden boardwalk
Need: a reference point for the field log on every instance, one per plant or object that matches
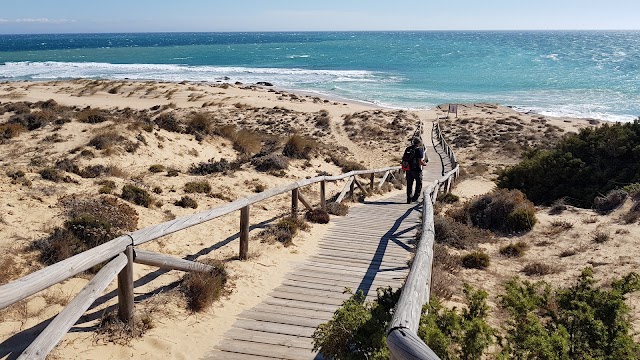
(367, 249)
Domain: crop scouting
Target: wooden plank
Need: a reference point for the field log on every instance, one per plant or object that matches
(58, 328)
(364, 191)
(19, 289)
(307, 298)
(308, 313)
(311, 292)
(283, 318)
(299, 304)
(279, 352)
(323, 195)
(223, 355)
(168, 262)
(294, 202)
(359, 262)
(382, 272)
(268, 338)
(338, 283)
(274, 328)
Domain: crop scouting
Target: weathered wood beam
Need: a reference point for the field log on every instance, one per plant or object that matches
(294, 202)
(244, 233)
(58, 328)
(323, 195)
(364, 191)
(344, 191)
(304, 202)
(42, 279)
(384, 178)
(168, 262)
(125, 289)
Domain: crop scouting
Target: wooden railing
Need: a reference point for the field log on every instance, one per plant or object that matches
(121, 253)
(402, 335)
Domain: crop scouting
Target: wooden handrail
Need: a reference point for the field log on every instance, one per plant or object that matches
(402, 337)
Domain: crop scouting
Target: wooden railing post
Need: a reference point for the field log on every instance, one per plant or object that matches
(373, 177)
(352, 188)
(323, 195)
(244, 233)
(294, 203)
(125, 290)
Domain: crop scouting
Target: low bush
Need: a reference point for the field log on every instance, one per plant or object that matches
(206, 168)
(94, 171)
(247, 142)
(92, 116)
(187, 202)
(580, 167)
(108, 186)
(91, 222)
(201, 289)
(601, 237)
(9, 131)
(317, 216)
(199, 123)
(633, 215)
(113, 330)
(156, 168)
(51, 174)
(476, 260)
(298, 147)
(106, 140)
(538, 269)
(514, 250)
(346, 165)
(448, 198)
(458, 235)
(284, 231)
(323, 119)
(34, 120)
(613, 200)
(136, 195)
(558, 207)
(169, 122)
(338, 209)
(202, 187)
(505, 211)
(270, 162)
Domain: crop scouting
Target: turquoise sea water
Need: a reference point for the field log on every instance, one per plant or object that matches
(574, 73)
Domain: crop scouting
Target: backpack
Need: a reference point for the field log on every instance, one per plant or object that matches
(409, 160)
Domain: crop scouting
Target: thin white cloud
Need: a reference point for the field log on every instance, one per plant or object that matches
(37, 21)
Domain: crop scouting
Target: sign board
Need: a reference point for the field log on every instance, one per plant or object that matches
(453, 109)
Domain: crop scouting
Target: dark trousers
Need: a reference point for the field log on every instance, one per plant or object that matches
(411, 177)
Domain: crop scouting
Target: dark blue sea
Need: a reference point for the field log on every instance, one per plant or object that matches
(593, 74)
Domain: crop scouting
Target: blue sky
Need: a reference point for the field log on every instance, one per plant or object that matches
(59, 16)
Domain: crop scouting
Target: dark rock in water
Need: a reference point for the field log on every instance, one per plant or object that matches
(226, 78)
(238, 83)
(264, 83)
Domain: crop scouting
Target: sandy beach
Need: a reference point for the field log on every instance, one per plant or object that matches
(485, 137)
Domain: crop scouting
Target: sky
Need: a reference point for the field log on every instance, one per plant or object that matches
(82, 16)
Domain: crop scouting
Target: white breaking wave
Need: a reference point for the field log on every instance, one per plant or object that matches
(169, 72)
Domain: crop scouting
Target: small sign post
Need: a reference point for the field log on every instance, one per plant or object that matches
(453, 109)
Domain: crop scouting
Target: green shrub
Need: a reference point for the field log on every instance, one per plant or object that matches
(476, 260)
(50, 174)
(601, 237)
(108, 186)
(580, 167)
(514, 250)
(202, 187)
(298, 147)
(169, 122)
(156, 168)
(357, 329)
(91, 116)
(579, 322)
(502, 210)
(201, 289)
(317, 216)
(187, 202)
(136, 195)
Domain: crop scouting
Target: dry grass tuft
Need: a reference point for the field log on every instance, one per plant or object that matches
(476, 260)
(298, 147)
(283, 231)
(317, 216)
(514, 250)
(187, 202)
(539, 269)
(337, 209)
(112, 330)
(201, 289)
(457, 235)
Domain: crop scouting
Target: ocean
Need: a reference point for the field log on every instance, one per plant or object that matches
(592, 74)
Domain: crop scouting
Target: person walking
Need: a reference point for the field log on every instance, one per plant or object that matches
(412, 163)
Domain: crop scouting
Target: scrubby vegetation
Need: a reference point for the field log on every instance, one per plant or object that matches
(298, 147)
(504, 211)
(197, 187)
(581, 167)
(476, 260)
(458, 235)
(577, 322)
(201, 289)
(136, 195)
(317, 216)
(514, 249)
(338, 209)
(283, 231)
(187, 202)
(91, 222)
